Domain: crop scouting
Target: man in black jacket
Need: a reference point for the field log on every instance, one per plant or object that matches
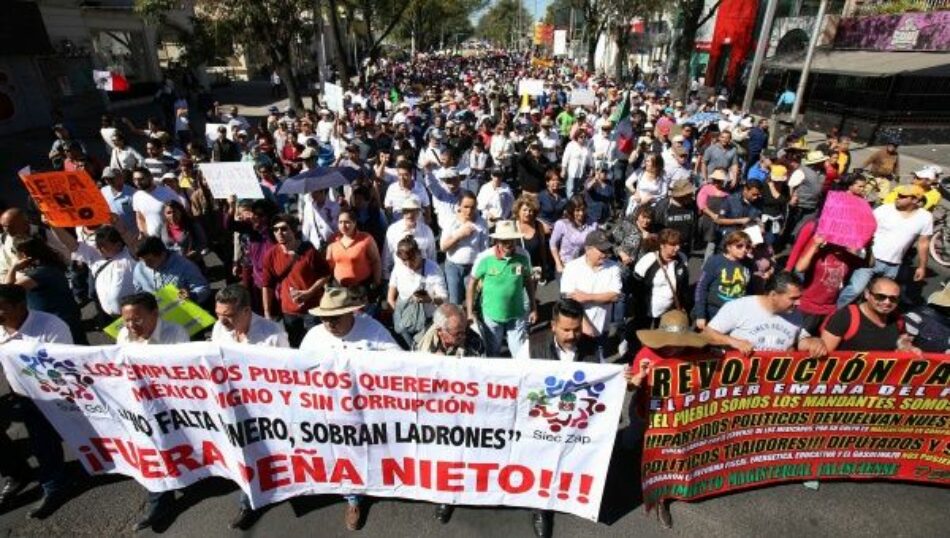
(532, 166)
(564, 342)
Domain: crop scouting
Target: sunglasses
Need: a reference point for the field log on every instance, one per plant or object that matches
(881, 297)
(906, 196)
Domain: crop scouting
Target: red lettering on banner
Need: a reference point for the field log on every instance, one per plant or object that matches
(150, 468)
(268, 469)
(447, 475)
(304, 471)
(179, 455)
(482, 473)
(210, 455)
(506, 479)
(343, 470)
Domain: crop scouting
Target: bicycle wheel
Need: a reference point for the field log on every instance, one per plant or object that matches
(940, 247)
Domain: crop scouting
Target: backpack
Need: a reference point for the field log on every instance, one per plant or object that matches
(854, 323)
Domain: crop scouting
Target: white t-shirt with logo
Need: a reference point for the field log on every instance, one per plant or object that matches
(896, 233)
(746, 319)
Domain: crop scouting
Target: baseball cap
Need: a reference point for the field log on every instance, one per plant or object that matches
(926, 173)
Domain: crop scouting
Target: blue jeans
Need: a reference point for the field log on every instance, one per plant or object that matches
(861, 278)
(574, 185)
(456, 277)
(515, 330)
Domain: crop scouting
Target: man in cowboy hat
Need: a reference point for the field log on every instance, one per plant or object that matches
(673, 338)
(678, 210)
(343, 329)
(806, 185)
(503, 275)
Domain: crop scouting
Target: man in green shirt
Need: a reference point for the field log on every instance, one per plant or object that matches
(565, 120)
(504, 276)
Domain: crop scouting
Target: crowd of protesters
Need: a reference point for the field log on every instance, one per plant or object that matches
(465, 201)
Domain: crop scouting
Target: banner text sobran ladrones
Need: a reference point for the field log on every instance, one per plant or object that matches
(281, 423)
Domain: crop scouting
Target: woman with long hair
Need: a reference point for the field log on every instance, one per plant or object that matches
(533, 241)
(662, 277)
(567, 239)
(646, 184)
(183, 234)
(41, 271)
(725, 277)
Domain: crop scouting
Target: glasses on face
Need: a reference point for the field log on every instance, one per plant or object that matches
(881, 297)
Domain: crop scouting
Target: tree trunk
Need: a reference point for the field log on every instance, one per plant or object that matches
(592, 52)
(623, 37)
(341, 57)
(286, 73)
(684, 51)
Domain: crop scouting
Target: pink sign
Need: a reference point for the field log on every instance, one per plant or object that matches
(846, 220)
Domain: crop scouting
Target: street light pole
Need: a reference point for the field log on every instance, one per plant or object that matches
(806, 68)
(759, 58)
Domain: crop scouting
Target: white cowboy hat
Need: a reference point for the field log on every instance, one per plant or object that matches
(336, 302)
(506, 230)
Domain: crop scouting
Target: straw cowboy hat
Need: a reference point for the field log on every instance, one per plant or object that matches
(815, 157)
(718, 175)
(506, 230)
(673, 331)
(336, 302)
(410, 203)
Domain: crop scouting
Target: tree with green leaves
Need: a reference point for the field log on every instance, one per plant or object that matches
(621, 14)
(434, 23)
(506, 21)
(691, 18)
(273, 26)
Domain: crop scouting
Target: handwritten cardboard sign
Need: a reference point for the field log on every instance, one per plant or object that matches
(531, 86)
(583, 97)
(227, 179)
(846, 220)
(67, 198)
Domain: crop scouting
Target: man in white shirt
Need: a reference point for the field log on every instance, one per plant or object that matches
(769, 322)
(110, 263)
(343, 329)
(17, 322)
(409, 225)
(404, 188)
(148, 203)
(898, 227)
(142, 324)
(594, 281)
(445, 186)
(237, 324)
(320, 214)
(495, 199)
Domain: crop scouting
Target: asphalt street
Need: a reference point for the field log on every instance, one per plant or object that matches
(109, 505)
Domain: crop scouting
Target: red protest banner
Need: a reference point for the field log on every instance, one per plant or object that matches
(67, 198)
(715, 426)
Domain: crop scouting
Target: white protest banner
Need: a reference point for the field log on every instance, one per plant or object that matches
(333, 95)
(583, 97)
(282, 423)
(530, 86)
(227, 179)
(560, 42)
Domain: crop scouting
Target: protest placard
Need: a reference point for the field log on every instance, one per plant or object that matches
(530, 86)
(718, 425)
(583, 97)
(333, 95)
(282, 422)
(560, 42)
(232, 179)
(846, 220)
(67, 199)
(173, 309)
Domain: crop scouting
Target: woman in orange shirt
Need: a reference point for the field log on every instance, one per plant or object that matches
(354, 256)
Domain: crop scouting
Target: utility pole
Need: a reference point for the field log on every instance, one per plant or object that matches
(806, 67)
(760, 51)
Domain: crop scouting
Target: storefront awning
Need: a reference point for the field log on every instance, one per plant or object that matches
(864, 63)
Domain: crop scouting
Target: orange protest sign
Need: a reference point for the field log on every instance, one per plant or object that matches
(67, 198)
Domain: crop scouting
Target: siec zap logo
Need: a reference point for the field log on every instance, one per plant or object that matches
(59, 377)
(567, 403)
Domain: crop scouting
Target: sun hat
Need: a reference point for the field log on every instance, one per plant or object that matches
(719, 175)
(815, 157)
(926, 173)
(910, 190)
(682, 187)
(673, 331)
(336, 302)
(506, 230)
(410, 203)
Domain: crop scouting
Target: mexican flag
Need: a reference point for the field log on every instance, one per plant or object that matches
(623, 129)
(110, 81)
